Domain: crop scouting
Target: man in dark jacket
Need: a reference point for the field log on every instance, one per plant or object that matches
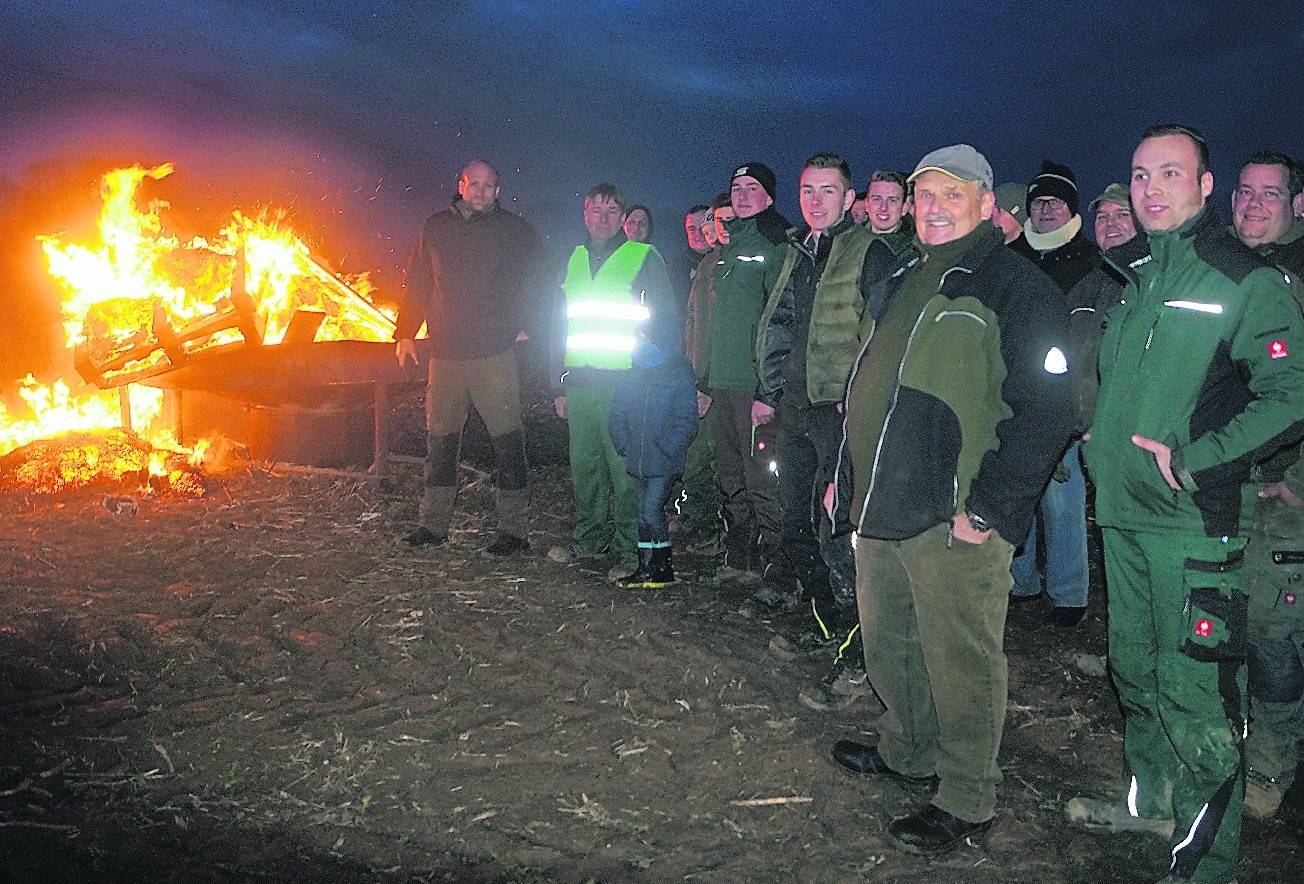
(1274, 556)
(1200, 372)
(745, 269)
(1053, 237)
(1261, 209)
(1092, 296)
(956, 413)
(806, 342)
(466, 283)
(1054, 240)
(888, 205)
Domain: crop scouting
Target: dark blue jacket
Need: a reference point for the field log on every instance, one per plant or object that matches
(654, 416)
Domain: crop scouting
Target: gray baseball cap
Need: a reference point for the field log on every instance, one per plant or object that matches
(960, 161)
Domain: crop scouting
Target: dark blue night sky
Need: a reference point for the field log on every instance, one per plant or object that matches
(367, 110)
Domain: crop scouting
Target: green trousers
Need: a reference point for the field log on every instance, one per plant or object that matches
(1177, 633)
(606, 503)
(1274, 573)
(697, 499)
(933, 614)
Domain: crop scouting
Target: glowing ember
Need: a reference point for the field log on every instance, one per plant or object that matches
(143, 300)
(103, 459)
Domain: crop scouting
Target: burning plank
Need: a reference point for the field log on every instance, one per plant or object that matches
(143, 302)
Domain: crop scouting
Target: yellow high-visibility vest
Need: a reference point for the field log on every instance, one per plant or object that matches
(601, 311)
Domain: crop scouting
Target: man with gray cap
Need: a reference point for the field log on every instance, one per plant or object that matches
(956, 413)
(1053, 239)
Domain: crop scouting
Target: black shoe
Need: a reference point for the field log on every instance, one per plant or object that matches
(864, 761)
(423, 536)
(1066, 617)
(506, 544)
(844, 683)
(803, 644)
(932, 830)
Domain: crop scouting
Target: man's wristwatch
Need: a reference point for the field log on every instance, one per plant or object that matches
(977, 522)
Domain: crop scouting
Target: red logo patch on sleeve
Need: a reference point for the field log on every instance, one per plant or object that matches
(1277, 350)
(1204, 628)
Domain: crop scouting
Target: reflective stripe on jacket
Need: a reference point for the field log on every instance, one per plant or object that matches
(601, 311)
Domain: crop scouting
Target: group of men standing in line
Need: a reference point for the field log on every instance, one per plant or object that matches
(937, 381)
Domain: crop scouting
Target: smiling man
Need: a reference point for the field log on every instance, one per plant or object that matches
(1261, 209)
(1201, 374)
(1093, 295)
(1054, 240)
(1114, 224)
(956, 412)
(806, 342)
(752, 251)
(888, 207)
(1274, 562)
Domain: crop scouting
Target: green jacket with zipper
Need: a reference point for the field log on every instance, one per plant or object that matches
(1204, 354)
(744, 274)
(978, 412)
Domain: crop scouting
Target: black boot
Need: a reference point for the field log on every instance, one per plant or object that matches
(639, 578)
(661, 569)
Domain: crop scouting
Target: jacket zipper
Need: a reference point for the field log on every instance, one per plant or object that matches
(887, 419)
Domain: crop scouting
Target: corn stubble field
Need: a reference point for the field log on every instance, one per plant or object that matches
(263, 684)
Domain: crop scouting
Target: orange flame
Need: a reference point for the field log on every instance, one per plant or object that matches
(115, 291)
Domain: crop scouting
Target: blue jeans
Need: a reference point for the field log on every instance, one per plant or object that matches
(653, 492)
(1062, 513)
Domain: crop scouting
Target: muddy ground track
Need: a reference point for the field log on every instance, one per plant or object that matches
(265, 685)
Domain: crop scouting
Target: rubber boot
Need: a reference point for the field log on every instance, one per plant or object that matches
(661, 569)
(511, 483)
(638, 579)
(440, 482)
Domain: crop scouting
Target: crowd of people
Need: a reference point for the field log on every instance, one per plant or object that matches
(885, 421)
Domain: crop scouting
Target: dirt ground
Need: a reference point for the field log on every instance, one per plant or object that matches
(264, 684)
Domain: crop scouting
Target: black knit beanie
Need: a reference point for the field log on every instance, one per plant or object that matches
(1057, 181)
(760, 172)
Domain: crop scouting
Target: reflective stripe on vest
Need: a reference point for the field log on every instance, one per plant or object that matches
(601, 311)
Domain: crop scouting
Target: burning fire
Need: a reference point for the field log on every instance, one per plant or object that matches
(143, 300)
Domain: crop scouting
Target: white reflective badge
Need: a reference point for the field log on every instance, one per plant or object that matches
(1197, 306)
(1055, 361)
(753, 259)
